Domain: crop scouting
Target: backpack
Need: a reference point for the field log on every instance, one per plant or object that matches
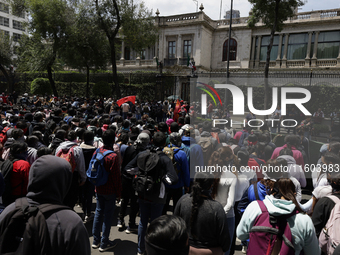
(148, 179)
(242, 138)
(207, 148)
(270, 235)
(24, 230)
(68, 156)
(3, 135)
(96, 173)
(6, 171)
(329, 237)
(170, 152)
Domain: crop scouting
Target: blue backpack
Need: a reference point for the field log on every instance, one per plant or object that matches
(96, 173)
(242, 138)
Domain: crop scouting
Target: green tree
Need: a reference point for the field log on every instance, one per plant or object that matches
(6, 56)
(138, 22)
(273, 14)
(48, 26)
(87, 46)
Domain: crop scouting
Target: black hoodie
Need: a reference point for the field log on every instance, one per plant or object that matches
(49, 180)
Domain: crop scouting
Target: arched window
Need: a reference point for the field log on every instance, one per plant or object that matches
(232, 52)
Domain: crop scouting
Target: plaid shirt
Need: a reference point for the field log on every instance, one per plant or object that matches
(112, 165)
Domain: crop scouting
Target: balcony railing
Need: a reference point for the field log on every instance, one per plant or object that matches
(170, 61)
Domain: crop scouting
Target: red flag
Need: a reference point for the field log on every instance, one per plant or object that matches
(123, 100)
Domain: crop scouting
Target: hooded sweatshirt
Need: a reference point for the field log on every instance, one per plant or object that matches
(49, 180)
(301, 225)
(295, 170)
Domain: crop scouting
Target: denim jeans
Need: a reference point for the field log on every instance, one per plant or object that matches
(231, 227)
(105, 208)
(148, 210)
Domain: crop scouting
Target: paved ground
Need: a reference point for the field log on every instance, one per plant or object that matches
(128, 242)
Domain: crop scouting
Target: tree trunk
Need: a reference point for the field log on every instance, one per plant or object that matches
(50, 78)
(116, 87)
(8, 78)
(87, 80)
(269, 49)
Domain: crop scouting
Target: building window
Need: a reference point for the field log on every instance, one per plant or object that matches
(142, 54)
(16, 37)
(6, 33)
(232, 51)
(18, 25)
(4, 21)
(264, 47)
(20, 15)
(127, 53)
(297, 46)
(187, 49)
(172, 49)
(4, 8)
(328, 45)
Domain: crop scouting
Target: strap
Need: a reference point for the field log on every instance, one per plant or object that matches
(334, 198)
(262, 206)
(256, 191)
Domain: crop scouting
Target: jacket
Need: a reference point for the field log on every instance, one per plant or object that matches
(67, 232)
(168, 174)
(297, 155)
(301, 225)
(196, 154)
(78, 156)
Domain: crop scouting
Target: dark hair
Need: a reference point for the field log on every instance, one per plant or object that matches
(88, 136)
(243, 157)
(71, 136)
(202, 184)
(44, 151)
(284, 187)
(126, 124)
(80, 133)
(17, 148)
(162, 126)
(286, 151)
(292, 140)
(334, 147)
(109, 137)
(16, 133)
(159, 139)
(21, 124)
(32, 140)
(167, 233)
(330, 157)
(174, 127)
(61, 134)
(181, 120)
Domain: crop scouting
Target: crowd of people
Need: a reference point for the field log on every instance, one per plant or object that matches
(224, 183)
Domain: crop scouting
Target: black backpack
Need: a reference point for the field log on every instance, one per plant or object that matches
(6, 171)
(24, 230)
(148, 180)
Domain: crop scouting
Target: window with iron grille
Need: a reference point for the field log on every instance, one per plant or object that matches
(18, 25)
(4, 21)
(4, 8)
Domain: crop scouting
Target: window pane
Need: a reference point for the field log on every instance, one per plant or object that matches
(328, 50)
(333, 36)
(298, 38)
(297, 51)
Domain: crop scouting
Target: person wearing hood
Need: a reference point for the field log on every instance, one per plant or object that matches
(128, 193)
(19, 175)
(281, 201)
(66, 229)
(293, 169)
(17, 135)
(79, 173)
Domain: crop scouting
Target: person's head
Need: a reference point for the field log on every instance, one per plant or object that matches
(163, 127)
(334, 181)
(18, 150)
(44, 151)
(175, 139)
(159, 139)
(167, 235)
(286, 151)
(292, 140)
(284, 188)
(88, 137)
(330, 160)
(51, 170)
(18, 134)
(109, 137)
(142, 141)
(174, 127)
(334, 147)
(243, 157)
(60, 134)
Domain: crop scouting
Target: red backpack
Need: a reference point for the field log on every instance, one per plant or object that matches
(270, 235)
(68, 155)
(3, 135)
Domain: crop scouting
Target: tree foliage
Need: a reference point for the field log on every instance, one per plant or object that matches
(6, 55)
(40, 86)
(138, 22)
(101, 88)
(273, 14)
